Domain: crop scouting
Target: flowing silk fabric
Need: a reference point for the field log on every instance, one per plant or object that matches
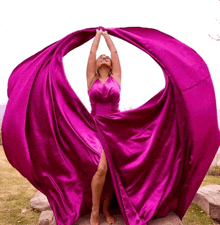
(158, 154)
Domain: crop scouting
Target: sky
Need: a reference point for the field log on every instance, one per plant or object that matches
(27, 26)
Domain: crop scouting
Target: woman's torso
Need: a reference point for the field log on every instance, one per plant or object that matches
(104, 97)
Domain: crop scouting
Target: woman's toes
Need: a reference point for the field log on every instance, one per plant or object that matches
(109, 218)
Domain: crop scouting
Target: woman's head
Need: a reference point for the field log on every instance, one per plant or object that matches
(103, 61)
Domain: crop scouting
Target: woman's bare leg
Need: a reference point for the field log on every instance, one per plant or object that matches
(107, 201)
(97, 184)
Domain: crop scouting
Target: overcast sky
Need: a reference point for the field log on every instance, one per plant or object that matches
(28, 26)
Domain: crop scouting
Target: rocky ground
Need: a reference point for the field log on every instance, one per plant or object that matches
(39, 202)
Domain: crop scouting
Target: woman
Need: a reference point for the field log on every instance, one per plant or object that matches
(103, 73)
(168, 137)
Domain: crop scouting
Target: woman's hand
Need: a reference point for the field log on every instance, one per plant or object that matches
(104, 33)
(99, 32)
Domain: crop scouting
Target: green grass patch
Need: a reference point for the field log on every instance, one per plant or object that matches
(214, 171)
(195, 215)
(209, 179)
(15, 195)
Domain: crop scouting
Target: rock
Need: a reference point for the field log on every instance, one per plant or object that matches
(85, 220)
(170, 219)
(40, 202)
(208, 197)
(47, 218)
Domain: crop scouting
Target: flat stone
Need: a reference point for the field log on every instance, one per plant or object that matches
(40, 202)
(47, 218)
(208, 197)
(85, 220)
(170, 219)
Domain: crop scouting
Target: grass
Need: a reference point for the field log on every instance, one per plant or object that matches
(214, 171)
(15, 195)
(209, 179)
(195, 215)
(16, 192)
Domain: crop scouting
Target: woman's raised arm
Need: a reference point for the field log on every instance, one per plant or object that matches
(116, 67)
(91, 65)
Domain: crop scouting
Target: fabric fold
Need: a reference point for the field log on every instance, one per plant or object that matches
(158, 154)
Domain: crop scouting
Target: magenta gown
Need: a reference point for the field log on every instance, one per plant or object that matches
(157, 154)
(104, 98)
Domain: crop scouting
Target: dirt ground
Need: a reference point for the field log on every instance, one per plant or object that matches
(2, 153)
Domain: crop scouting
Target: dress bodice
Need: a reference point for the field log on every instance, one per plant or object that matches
(104, 97)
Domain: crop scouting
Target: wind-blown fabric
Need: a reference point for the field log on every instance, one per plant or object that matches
(157, 154)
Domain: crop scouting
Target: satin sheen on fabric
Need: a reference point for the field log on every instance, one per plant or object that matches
(158, 154)
(104, 98)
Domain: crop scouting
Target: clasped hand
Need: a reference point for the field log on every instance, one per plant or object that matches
(101, 32)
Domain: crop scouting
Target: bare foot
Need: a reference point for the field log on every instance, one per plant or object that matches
(94, 220)
(109, 218)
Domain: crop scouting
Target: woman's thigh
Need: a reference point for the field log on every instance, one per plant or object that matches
(102, 163)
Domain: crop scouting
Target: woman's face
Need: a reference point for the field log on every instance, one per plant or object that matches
(103, 60)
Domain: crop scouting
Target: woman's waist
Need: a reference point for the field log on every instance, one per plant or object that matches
(102, 109)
